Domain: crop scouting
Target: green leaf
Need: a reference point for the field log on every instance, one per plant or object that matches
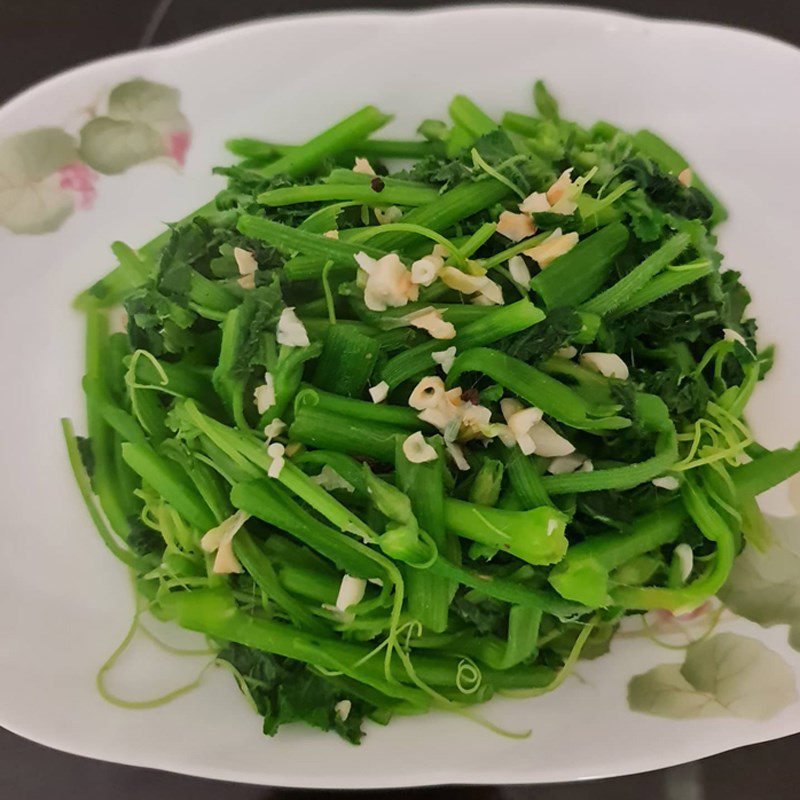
(31, 197)
(284, 691)
(765, 586)
(726, 675)
(112, 146)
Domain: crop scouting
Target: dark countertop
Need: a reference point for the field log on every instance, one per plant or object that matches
(43, 37)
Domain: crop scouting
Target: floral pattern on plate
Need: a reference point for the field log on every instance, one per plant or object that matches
(48, 173)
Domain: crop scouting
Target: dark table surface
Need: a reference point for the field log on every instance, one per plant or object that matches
(42, 37)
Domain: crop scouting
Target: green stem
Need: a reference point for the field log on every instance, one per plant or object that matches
(625, 288)
(535, 387)
(365, 195)
(494, 325)
(536, 536)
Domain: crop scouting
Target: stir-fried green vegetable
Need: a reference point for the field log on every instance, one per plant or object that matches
(401, 435)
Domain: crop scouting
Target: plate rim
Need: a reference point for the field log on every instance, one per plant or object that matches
(298, 18)
(17, 101)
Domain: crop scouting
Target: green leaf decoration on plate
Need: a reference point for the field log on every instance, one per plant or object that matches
(112, 146)
(143, 122)
(34, 197)
(139, 100)
(725, 675)
(765, 586)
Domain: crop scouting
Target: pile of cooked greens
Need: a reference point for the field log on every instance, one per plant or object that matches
(403, 425)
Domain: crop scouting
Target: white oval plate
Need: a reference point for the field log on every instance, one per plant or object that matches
(728, 99)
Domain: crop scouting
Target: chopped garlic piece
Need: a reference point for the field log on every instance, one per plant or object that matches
(685, 176)
(247, 281)
(117, 319)
(555, 245)
(668, 482)
(220, 539)
(388, 282)
(417, 450)
(561, 194)
(274, 429)
(504, 434)
(521, 424)
(276, 452)
(265, 394)
(427, 393)
(515, 227)
(330, 479)
(334, 234)
(685, 557)
(562, 465)
(425, 270)
(447, 411)
(587, 466)
(342, 709)
(388, 215)
(445, 358)
(520, 273)
(608, 364)
(475, 421)
(351, 592)
(441, 251)
(566, 352)
(379, 392)
(461, 282)
(491, 293)
(548, 443)
(450, 424)
(457, 454)
(470, 284)
(432, 322)
(730, 335)
(247, 266)
(291, 331)
(245, 261)
(510, 406)
(535, 203)
(444, 415)
(293, 448)
(363, 167)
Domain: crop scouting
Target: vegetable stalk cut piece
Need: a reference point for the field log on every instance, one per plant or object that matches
(625, 289)
(447, 210)
(536, 536)
(365, 195)
(576, 276)
(429, 595)
(294, 240)
(537, 388)
(347, 361)
(494, 325)
(583, 575)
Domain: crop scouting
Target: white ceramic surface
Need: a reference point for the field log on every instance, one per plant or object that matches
(729, 99)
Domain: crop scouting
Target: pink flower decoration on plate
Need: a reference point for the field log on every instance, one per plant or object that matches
(177, 144)
(662, 615)
(80, 179)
